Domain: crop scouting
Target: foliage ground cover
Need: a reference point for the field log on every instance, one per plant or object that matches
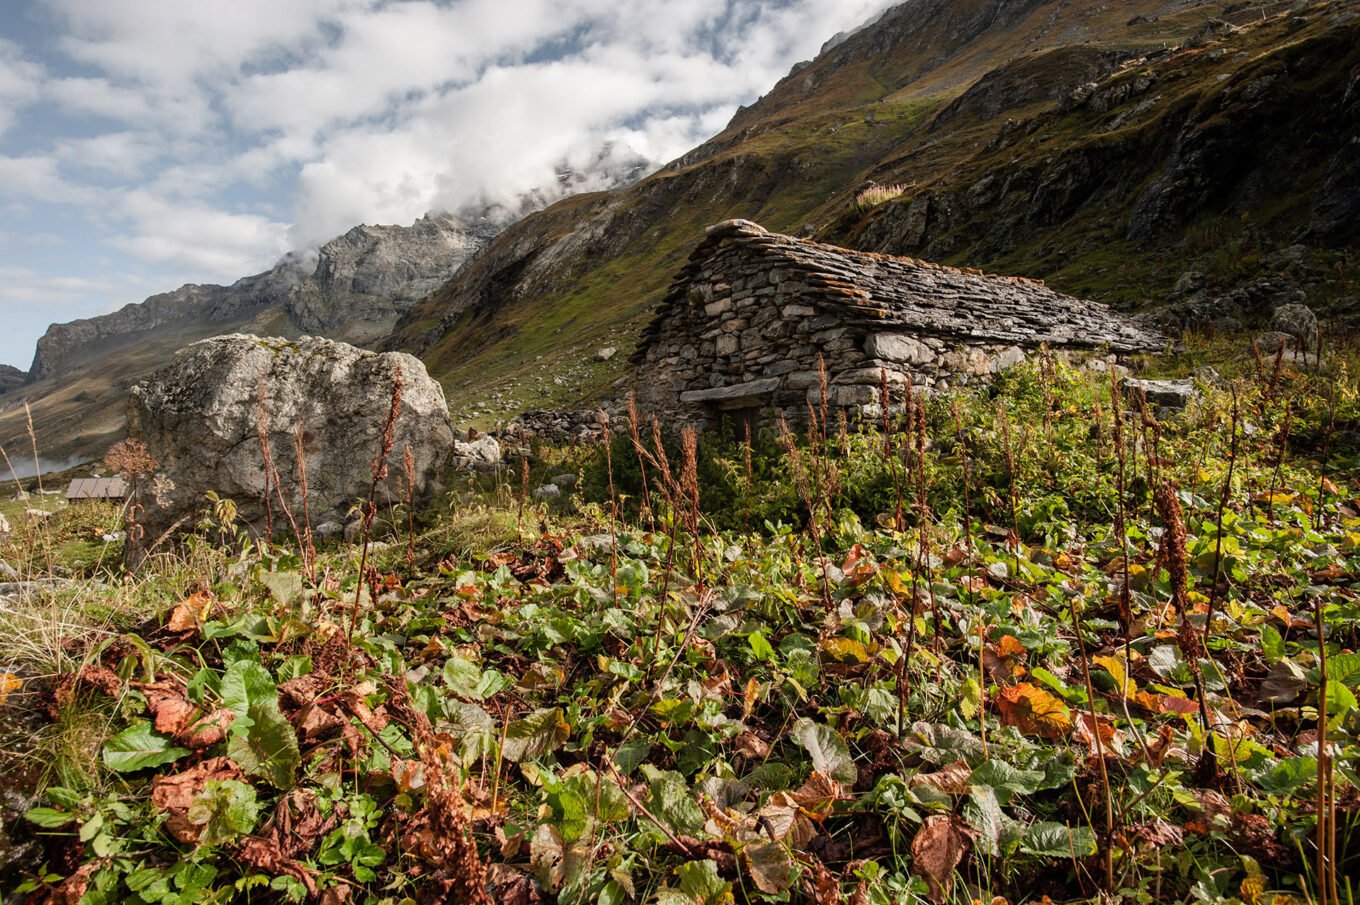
(1037, 643)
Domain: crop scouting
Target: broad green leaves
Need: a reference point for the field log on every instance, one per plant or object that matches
(261, 741)
(535, 736)
(829, 753)
(138, 747)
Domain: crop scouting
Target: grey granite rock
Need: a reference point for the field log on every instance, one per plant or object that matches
(201, 418)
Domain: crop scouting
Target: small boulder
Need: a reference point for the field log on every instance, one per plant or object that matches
(606, 353)
(4, 524)
(565, 481)
(1007, 359)
(201, 419)
(1172, 394)
(1297, 321)
(38, 515)
(1210, 377)
(1191, 281)
(479, 454)
(548, 493)
(328, 531)
(1273, 341)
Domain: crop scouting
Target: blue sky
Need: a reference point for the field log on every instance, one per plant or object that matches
(149, 143)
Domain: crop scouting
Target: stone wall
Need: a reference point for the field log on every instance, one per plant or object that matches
(749, 334)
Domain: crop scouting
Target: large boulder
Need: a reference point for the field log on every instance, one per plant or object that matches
(201, 418)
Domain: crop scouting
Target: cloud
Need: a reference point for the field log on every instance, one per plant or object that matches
(218, 244)
(38, 178)
(20, 83)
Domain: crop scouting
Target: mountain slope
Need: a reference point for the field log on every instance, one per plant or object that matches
(1071, 110)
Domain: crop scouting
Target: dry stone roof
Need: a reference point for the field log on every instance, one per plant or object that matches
(911, 296)
(97, 489)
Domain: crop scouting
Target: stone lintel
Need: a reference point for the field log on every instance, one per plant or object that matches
(736, 391)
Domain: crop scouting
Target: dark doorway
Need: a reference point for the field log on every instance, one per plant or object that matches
(741, 424)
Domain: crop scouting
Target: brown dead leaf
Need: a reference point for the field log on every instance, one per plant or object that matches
(951, 779)
(1005, 659)
(170, 710)
(101, 679)
(73, 888)
(174, 794)
(316, 721)
(821, 885)
(1111, 739)
(938, 849)
(509, 886)
(1033, 710)
(752, 747)
(815, 799)
(304, 690)
(207, 731)
(189, 615)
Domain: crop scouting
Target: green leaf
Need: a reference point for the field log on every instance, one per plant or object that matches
(138, 747)
(829, 753)
(262, 742)
(1289, 775)
(535, 736)
(49, 818)
(700, 883)
(630, 754)
(226, 810)
(246, 685)
(983, 813)
(1340, 701)
(1008, 781)
(671, 800)
(770, 866)
(284, 587)
(1056, 840)
(1344, 668)
(760, 647)
(1272, 644)
(970, 698)
(268, 749)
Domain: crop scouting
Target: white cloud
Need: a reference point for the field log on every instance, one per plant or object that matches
(38, 178)
(20, 83)
(215, 243)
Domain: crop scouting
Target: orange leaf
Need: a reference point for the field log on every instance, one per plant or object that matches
(1033, 710)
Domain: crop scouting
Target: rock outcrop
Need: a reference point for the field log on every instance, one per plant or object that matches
(10, 378)
(366, 279)
(203, 415)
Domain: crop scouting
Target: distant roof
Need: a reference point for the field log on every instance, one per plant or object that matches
(918, 296)
(97, 489)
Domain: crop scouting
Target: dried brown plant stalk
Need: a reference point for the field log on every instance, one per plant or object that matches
(1191, 647)
(370, 505)
(308, 542)
(459, 874)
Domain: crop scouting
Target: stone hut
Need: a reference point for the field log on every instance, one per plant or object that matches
(740, 332)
